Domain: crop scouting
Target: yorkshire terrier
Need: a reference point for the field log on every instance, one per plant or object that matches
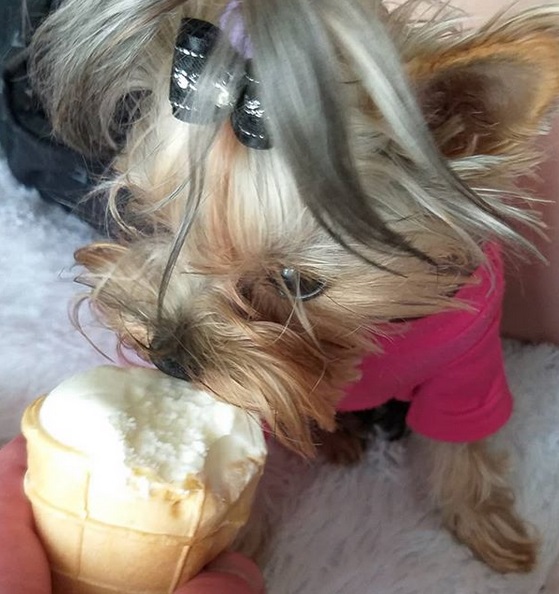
(313, 198)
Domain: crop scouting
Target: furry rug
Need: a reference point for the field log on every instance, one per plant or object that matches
(364, 530)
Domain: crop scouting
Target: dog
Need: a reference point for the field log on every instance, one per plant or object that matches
(313, 200)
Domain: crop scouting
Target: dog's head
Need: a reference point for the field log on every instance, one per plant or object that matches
(262, 307)
(264, 275)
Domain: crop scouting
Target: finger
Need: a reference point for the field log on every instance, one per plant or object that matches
(232, 573)
(13, 502)
(23, 564)
(13, 457)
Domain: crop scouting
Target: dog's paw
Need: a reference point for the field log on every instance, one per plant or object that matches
(497, 536)
(348, 443)
(342, 448)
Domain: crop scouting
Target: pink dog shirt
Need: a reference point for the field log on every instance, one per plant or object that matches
(449, 366)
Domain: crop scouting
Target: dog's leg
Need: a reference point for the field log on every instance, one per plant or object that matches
(347, 444)
(470, 486)
(355, 430)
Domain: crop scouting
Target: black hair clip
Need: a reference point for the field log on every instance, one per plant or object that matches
(234, 95)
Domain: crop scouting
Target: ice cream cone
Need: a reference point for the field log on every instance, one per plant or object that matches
(105, 540)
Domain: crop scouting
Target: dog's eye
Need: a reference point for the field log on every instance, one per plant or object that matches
(299, 286)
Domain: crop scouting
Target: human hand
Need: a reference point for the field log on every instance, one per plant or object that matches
(23, 564)
(230, 573)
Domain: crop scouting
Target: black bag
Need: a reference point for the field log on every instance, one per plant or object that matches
(59, 173)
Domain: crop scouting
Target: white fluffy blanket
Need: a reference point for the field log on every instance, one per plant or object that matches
(365, 530)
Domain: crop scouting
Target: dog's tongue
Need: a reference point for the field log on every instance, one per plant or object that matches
(141, 421)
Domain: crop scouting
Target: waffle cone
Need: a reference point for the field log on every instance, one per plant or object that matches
(102, 540)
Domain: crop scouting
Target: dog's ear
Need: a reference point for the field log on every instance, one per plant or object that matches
(492, 91)
(114, 294)
(99, 257)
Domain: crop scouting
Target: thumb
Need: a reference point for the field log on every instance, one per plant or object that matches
(232, 573)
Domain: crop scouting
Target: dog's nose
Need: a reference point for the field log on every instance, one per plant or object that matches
(175, 359)
(172, 367)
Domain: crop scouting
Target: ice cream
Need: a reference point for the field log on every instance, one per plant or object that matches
(136, 479)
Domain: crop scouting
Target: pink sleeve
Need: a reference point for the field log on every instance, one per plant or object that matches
(467, 400)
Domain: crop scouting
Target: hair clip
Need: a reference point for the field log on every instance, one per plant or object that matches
(233, 95)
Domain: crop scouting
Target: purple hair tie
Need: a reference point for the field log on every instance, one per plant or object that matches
(232, 22)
